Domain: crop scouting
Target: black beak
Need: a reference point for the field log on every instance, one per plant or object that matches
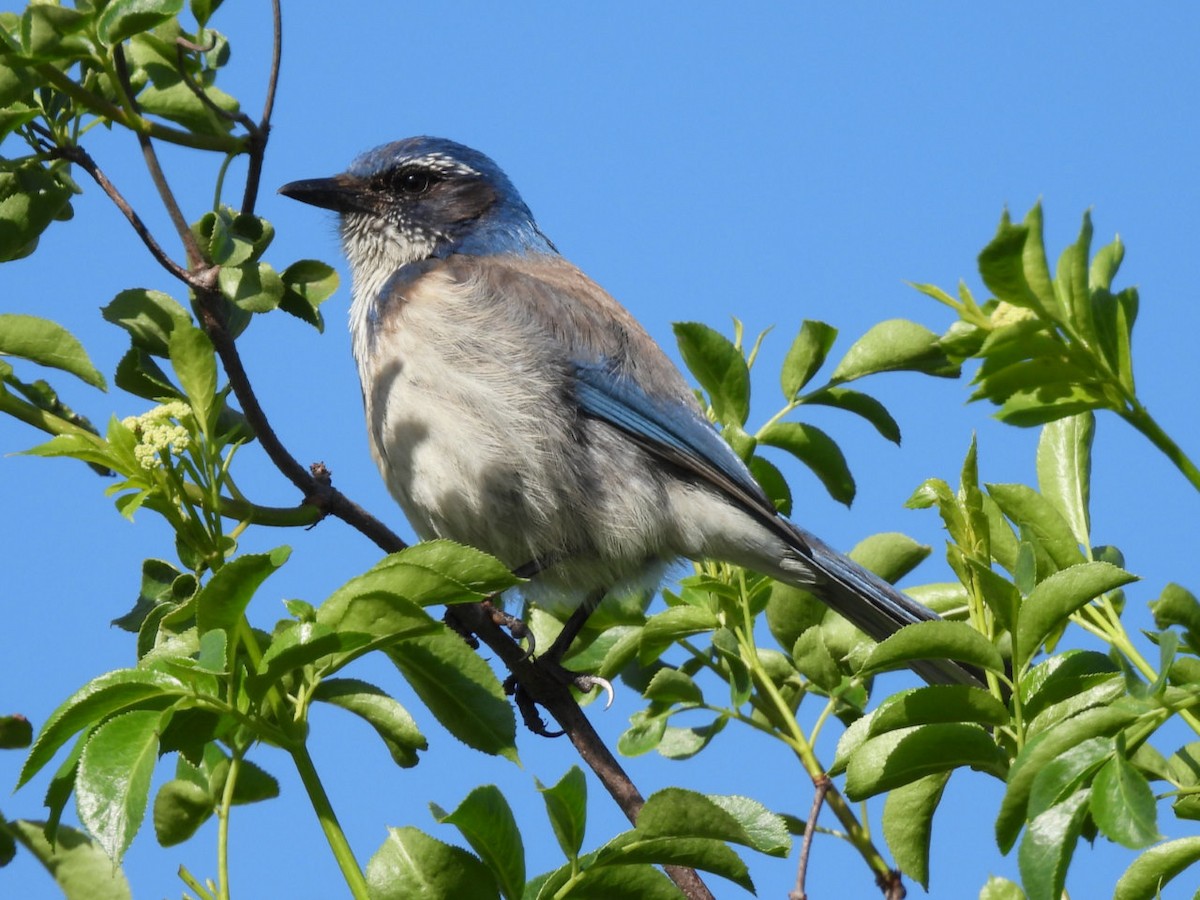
(341, 193)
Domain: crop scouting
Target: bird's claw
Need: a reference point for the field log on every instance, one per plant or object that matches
(588, 683)
(516, 627)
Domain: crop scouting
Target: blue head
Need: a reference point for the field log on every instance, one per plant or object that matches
(423, 197)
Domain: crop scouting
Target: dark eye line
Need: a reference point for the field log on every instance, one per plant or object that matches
(412, 182)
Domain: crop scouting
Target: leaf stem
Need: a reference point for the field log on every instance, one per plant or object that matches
(137, 124)
(235, 764)
(857, 835)
(329, 823)
(1139, 417)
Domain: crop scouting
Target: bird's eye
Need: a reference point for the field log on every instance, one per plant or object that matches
(413, 182)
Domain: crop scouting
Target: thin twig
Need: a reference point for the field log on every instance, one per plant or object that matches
(258, 136)
(190, 245)
(822, 786)
(202, 95)
(76, 154)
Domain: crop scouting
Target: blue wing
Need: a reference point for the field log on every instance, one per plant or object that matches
(669, 429)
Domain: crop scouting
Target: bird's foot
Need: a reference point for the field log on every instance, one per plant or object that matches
(528, 706)
(517, 628)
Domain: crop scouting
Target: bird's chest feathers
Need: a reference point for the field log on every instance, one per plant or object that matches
(458, 403)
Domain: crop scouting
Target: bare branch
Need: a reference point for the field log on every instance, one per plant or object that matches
(190, 245)
(77, 155)
(258, 136)
(549, 692)
(822, 786)
(181, 67)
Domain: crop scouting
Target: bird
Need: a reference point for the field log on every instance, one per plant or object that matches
(514, 406)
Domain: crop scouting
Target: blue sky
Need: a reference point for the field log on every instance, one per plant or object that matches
(701, 161)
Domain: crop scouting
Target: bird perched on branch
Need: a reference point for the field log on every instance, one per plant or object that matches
(515, 406)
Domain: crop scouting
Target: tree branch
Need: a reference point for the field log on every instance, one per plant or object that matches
(551, 694)
(76, 154)
(190, 245)
(822, 785)
(259, 134)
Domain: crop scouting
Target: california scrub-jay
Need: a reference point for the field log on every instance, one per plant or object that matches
(515, 406)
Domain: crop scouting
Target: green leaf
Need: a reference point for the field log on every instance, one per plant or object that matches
(1064, 466)
(1048, 845)
(221, 603)
(1067, 773)
(673, 686)
(180, 808)
(732, 666)
(908, 824)
(675, 812)
(790, 612)
(411, 865)
(892, 346)
(48, 344)
(818, 451)
(113, 784)
(460, 689)
(1045, 524)
(113, 692)
(252, 286)
(566, 804)
(684, 743)
(906, 754)
(805, 357)
(1071, 280)
(391, 720)
(774, 485)
(889, 554)
(1054, 600)
(860, 404)
(1046, 403)
(645, 732)
(1123, 805)
(122, 19)
(1002, 265)
(631, 848)
(486, 820)
(140, 375)
(937, 639)
(178, 103)
(307, 284)
(386, 617)
(814, 660)
(719, 367)
(634, 882)
(428, 573)
(937, 703)
(1115, 317)
(159, 578)
(195, 364)
(1062, 676)
(1177, 605)
(299, 644)
(1105, 264)
(31, 197)
(1034, 265)
(675, 623)
(1150, 872)
(15, 732)
(77, 864)
(1041, 751)
(998, 888)
(149, 316)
